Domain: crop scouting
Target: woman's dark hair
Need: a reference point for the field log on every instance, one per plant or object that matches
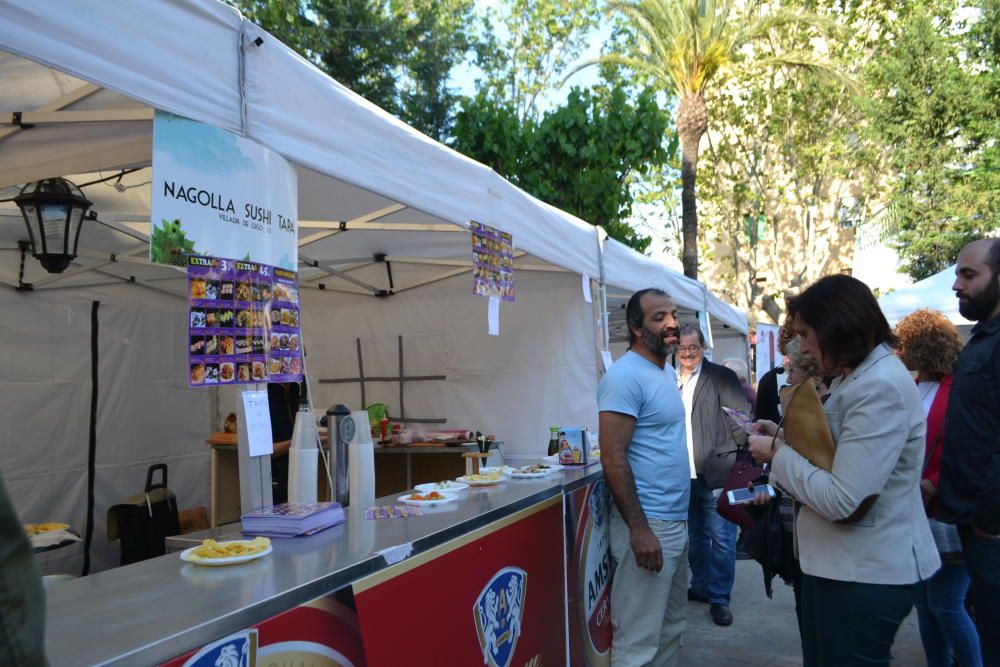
(633, 310)
(846, 317)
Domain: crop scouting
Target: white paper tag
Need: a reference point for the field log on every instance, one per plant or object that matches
(606, 358)
(493, 316)
(586, 289)
(258, 423)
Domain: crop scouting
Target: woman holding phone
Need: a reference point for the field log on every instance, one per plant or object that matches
(860, 533)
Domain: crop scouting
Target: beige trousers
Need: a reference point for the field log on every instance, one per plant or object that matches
(648, 609)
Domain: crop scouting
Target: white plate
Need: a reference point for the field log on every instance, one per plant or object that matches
(452, 487)
(482, 482)
(408, 500)
(551, 458)
(213, 562)
(529, 475)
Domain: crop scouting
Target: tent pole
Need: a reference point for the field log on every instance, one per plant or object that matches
(602, 292)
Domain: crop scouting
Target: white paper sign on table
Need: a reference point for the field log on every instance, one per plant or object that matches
(493, 316)
(586, 288)
(606, 358)
(258, 423)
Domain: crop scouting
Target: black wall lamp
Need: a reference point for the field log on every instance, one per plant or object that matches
(54, 210)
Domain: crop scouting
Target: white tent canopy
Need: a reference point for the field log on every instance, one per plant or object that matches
(357, 164)
(934, 292)
(382, 210)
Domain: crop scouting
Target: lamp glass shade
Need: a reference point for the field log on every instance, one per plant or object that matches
(53, 211)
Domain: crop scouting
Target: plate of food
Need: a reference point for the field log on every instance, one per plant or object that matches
(431, 498)
(213, 553)
(483, 479)
(447, 486)
(38, 528)
(532, 471)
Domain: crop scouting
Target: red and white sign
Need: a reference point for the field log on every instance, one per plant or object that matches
(589, 576)
(493, 597)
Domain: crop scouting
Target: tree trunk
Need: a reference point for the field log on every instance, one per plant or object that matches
(692, 121)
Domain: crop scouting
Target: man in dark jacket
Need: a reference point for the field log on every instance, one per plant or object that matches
(712, 442)
(969, 485)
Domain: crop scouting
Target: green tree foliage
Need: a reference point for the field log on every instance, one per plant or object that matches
(580, 157)
(528, 45)
(398, 54)
(687, 47)
(934, 114)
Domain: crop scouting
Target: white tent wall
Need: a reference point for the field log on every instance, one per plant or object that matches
(933, 292)
(146, 413)
(539, 372)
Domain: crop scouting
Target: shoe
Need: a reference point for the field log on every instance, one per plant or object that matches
(695, 597)
(721, 615)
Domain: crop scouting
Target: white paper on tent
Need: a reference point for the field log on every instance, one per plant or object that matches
(258, 423)
(586, 288)
(493, 316)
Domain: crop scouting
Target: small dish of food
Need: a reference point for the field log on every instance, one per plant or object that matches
(431, 498)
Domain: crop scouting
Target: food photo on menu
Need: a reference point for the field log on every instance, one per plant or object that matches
(198, 318)
(198, 373)
(212, 289)
(243, 345)
(243, 291)
(243, 372)
(197, 289)
(211, 373)
(259, 371)
(226, 290)
(227, 371)
(197, 345)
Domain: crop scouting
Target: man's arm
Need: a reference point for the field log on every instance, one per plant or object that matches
(616, 431)
(986, 515)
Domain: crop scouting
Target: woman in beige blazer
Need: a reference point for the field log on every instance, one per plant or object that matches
(860, 532)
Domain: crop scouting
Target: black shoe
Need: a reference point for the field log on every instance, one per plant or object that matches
(695, 597)
(721, 615)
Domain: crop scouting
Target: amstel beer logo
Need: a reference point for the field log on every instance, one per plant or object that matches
(238, 650)
(498, 612)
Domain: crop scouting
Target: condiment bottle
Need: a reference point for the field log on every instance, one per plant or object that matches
(553, 440)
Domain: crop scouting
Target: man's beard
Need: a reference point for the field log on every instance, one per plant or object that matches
(654, 342)
(979, 307)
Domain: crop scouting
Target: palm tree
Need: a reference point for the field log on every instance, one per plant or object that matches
(685, 46)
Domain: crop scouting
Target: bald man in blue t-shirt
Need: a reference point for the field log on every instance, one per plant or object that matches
(645, 459)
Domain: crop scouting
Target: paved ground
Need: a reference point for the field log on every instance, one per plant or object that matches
(764, 632)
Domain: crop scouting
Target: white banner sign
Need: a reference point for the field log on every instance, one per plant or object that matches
(768, 355)
(218, 194)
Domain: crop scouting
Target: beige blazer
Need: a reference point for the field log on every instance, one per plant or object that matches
(877, 421)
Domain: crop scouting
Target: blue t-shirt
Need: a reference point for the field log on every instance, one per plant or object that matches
(658, 453)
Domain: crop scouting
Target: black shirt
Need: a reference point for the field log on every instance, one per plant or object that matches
(969, 486)
(767, 396)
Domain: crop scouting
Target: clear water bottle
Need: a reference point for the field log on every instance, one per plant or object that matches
(553, 440)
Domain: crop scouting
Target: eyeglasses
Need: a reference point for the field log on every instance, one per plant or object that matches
(689, 348)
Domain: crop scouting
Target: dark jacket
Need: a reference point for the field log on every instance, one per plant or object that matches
(716, 437)
(969, 485)
(767, 396)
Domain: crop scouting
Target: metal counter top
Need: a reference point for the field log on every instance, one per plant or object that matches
(152, 611)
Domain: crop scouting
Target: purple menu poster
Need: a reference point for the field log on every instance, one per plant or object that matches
(242, 320)
(492, 262)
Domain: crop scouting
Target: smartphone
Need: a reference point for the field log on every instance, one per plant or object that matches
(743, 496)
(742, 419)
